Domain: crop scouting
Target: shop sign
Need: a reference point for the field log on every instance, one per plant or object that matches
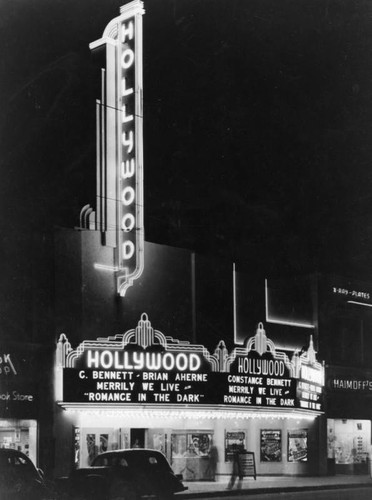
(18, 397)
(144, 366)
(17, 400)
(351, 292)
(349, 380)
(7, 365)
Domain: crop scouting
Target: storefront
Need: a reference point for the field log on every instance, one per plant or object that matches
(349, 410)
(145, 389)
(18, 402)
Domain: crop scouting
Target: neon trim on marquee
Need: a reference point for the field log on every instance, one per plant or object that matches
(143, 366)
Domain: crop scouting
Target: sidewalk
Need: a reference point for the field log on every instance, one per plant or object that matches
(272, 484)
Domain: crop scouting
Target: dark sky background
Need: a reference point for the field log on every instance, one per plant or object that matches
(257, 127)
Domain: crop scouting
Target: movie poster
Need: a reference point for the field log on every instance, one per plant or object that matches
(297, 446)
(234, 442)
(271, 445)
(76, 431)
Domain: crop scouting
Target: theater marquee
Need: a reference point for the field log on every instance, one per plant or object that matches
(143, 366)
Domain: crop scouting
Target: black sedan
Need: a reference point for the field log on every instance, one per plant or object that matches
(20, 479)
(124, 475)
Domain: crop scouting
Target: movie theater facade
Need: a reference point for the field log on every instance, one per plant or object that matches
(145, 389)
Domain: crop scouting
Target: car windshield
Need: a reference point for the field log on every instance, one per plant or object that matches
(143, 459)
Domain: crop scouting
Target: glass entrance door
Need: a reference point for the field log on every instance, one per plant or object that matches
(190, 454)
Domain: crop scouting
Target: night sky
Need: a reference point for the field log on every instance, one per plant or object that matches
(257, 127)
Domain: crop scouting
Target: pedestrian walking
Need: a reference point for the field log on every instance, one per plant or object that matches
(235, 473)
(212, 464)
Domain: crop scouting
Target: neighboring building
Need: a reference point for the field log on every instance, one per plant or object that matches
(341, 309)
(345, 323)
(27, 350)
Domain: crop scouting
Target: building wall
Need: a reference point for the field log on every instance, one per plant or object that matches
(186, 296)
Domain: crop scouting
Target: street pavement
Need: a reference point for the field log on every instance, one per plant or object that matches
(272, 484)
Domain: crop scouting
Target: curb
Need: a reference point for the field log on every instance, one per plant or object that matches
(273, 490)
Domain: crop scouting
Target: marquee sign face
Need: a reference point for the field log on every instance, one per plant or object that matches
(119, 211)
(143, 366)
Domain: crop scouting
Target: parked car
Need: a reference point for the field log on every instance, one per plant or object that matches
(20, 479)
(123, 475)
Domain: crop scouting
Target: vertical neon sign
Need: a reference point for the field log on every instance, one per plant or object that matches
(130, 251)
(120, 148)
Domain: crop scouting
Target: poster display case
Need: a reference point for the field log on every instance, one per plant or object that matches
(235, 441)
(270, 445)
(297, 445)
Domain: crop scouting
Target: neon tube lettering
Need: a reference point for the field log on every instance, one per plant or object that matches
(128, 142)
(118, 365)
(194, 362)
(124, 90)
(128, 222)
(127, 31)
(138, 361)
(181, 362)
(168, 365)
(126, 118)
(128, 195)
(106, 359)
(127, 58)
(153, 361)
(93, 362)
(127, 168)
(128, 249)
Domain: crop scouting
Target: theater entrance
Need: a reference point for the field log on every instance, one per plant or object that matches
(137, 438)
